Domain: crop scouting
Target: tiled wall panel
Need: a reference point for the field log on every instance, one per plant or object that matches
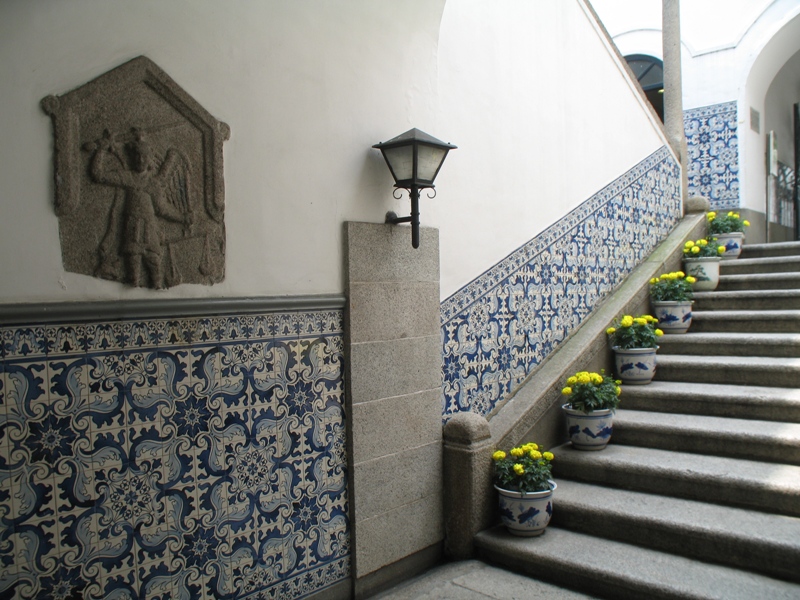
(711, 137)
(501, 325)
(187, 458)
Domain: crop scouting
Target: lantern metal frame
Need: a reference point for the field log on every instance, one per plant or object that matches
(413, 139)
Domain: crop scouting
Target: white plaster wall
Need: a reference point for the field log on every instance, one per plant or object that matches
(541, 113)
(306, 86)
(544, 118)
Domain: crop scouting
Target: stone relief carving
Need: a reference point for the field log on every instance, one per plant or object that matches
(139, 188)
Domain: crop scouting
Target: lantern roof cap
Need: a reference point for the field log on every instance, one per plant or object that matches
(415, 136)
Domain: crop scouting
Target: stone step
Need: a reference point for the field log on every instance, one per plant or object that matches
(772, 249)
(777, 264)
(721, 436)
(760, 321)
(747, 539)
(735, 401)
(748, 300)
(737, 370)
(731, 344)
(611, 569)
(723, 480)
(759, 281)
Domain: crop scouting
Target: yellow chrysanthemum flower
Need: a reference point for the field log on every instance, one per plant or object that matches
(721, 249)
(640, 321)
(611, 330)
(691, 279)
(746, 223)
(548, 456)
(535, 454)
(688, 244)
(730, 213)
(626, 321)
(711, 214)
(664, 276)
(499, 455)
(517, 452)
(597, 379)
(659, 333)
(681, 274)
(651, 319)
(695, 249)
(702, 243)
(519, 469)
(572, 380)
(584, 378)
(654, 281)
(566, 391)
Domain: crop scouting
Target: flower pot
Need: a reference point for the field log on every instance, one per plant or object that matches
(588, 431)
(732, 242)
(673, 317)
(526, 513)
(635, 366)
(705, 270)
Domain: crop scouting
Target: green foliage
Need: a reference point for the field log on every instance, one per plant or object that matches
(703, 248)
(730, 223)
(672, 287)
(523, 469)
(634, 332)
(592, 391)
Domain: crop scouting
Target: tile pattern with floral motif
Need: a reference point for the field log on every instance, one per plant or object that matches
(186, 458)
(713, 144)
(504, 323)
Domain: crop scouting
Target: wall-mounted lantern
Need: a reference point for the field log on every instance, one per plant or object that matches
(414, 158)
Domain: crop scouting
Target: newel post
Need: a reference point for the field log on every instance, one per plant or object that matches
(469, 501)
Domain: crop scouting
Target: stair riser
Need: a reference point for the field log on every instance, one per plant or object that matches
(754, 325)
(711, 443)
(779, 283)
(770, 250)
(788, 377)
(762, 303)
(687, 484)
(720, 408)
(740, 267)
(723, 549)
(787, 350)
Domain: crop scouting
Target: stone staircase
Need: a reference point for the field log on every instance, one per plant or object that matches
(698, 495)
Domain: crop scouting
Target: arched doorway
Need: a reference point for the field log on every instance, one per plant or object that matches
(649, 72)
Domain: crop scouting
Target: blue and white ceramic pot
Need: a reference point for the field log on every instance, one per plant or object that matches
(526, 513)
(635, 366)
(588, 431)
(705, 271)
(673, 317)
(732, 242)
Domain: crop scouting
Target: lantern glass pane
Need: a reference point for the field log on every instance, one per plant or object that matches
(401, 161)
(429, 160)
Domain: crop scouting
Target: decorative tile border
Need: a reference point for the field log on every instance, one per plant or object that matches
(186, 458)
(501, 325)
(711, 136)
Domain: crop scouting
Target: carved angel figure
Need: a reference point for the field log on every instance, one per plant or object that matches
(149, 195)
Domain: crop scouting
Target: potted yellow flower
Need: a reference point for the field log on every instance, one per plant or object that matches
(634, 342)
(524, 481)
(729, 230)
(701, 260)
(671, 296)
(593, 398)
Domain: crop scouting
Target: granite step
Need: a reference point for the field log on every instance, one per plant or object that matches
(735, 401)
(772, 249)
(751, 540)
(776, 264)
(731, 344)
(755, 321)
(737, 370)
(768, 487)
(720, 436)
(612, 569)
(748, 300)
(759, 281)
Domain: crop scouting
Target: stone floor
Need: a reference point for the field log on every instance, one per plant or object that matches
(474, 580)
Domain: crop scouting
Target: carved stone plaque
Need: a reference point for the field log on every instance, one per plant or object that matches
(139, 189)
